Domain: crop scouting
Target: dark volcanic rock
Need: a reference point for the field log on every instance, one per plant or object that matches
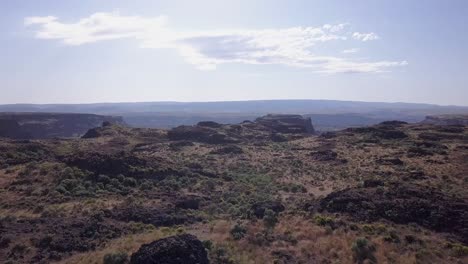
(324, 155)
(372, 183)
(179, 145)
(259, 208)
(92, 133)
(393, 123)
(232, 149)
(328, 135)
(391, 134)
(390, 161)
(275, 137)
(106, 124)
(100, 163)
(179, 249)
(426, 148)
(419, 151)
(451, 129)
(287, 123)
(439, 136)
(188, 203)
(199, 134)
(209, 124)
(380, 131)
(403, 204)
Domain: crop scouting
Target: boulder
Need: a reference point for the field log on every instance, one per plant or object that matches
(178, 249)
(289, 124)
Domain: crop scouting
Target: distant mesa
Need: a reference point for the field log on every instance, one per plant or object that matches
(269, 127)
(209, 124)
(393, 123)
(287, 123)
(50, 125)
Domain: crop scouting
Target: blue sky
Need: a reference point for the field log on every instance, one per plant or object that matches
(128, 51)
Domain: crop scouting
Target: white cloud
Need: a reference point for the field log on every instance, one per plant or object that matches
(97, 27)
(353, 50)
(208, 49)
(365, 36)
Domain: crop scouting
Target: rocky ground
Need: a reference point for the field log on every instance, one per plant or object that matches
(268, 191)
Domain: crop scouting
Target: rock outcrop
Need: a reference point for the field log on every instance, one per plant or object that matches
(382, 131)
(199, 134)
(184, 248)
(403, 204)
(278, 128)
(50, 125)
(287, 123)
(447, 120)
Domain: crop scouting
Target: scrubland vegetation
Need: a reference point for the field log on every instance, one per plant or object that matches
(391, 193)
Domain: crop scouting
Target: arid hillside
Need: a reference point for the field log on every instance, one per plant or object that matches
(268, 191)
(50, 125)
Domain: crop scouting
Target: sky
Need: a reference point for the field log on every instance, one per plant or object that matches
(87, 51)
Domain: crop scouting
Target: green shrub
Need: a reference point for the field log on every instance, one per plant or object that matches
(146, 185)
(208, 244)
(392, 237)
(238, 232)
(270, 219)
(374, 229)
(458, 250)
(130, 182)
(115, 258)
(103, 178)
(294, 188)
(220, 254)
(363, 250)
(322, 220)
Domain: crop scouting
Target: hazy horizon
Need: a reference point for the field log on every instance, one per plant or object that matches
(231, 101)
